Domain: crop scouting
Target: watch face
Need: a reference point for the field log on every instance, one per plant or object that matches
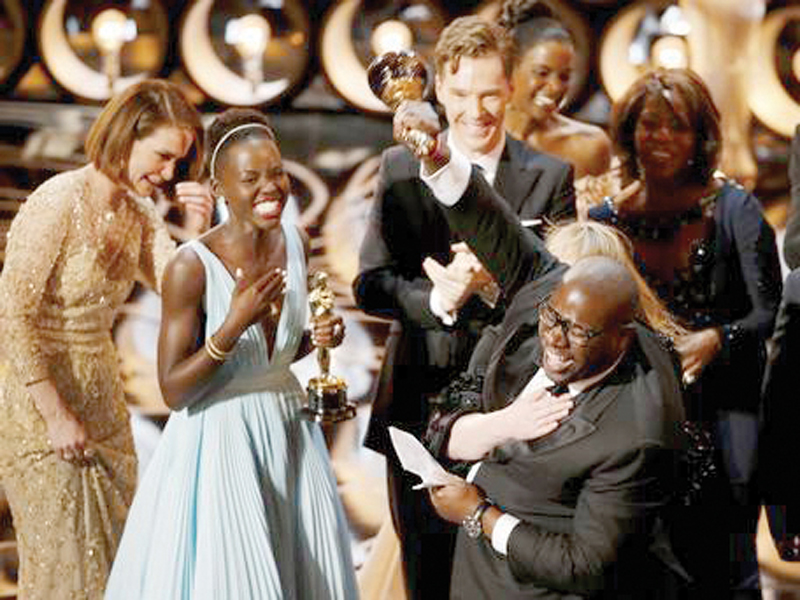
(472, 526)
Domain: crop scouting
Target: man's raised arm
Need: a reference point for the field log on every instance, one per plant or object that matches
(513, 254)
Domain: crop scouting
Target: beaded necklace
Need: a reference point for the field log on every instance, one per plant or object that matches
(661, 228)
(688, 293)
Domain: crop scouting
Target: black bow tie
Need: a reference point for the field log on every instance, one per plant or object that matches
(558, 388)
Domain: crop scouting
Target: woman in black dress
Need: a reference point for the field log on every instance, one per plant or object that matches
(703, 244)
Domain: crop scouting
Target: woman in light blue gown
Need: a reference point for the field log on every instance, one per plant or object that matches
(239, 501)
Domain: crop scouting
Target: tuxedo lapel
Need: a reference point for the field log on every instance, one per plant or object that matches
(571, 430)
(516, 175)
(523, 311)
(582, 422)
(577, 426)
(497, 360)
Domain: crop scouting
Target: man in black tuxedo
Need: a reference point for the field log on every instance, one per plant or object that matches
(437, 324)
(791, 240)
(559, 506)
(781, 411)
(778, 472)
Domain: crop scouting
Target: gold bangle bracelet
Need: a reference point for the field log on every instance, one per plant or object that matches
(214, 351)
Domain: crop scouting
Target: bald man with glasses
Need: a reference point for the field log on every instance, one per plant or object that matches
(572, 440)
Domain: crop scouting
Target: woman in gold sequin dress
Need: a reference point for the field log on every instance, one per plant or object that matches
(74, 251)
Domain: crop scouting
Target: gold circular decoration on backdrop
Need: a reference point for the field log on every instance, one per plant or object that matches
(12, 40)
(616, 67)
(75, 57)
(774, 86)
(243, 56)
(353, 34)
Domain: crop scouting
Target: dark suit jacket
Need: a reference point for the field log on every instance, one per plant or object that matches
(588, 494)
(406, 226)
(779, 471)
(791, 240)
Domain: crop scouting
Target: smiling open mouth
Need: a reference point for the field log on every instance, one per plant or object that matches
(267, 208)
(557, 361)
(544, 102)
(660, 156)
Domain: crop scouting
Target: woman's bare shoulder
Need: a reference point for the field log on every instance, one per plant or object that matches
(586, 146)
(185, 276)
(584, 131)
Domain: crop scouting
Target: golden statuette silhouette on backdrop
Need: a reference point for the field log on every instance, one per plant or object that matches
(723, 46)
(327, 394)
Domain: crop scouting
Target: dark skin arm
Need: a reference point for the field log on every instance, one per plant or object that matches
(183, 363)
(326, 332)
(455, 503)
(306, 346)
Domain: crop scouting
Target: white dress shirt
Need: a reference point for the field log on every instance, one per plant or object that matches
(455, 181)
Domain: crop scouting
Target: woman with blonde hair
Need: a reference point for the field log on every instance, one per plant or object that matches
(579, 239)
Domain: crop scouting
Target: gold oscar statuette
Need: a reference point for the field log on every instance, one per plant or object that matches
(327, 394)
(397, 76)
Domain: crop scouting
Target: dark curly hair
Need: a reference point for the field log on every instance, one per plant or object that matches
(531, 22)
(702, 113)
(228, 121)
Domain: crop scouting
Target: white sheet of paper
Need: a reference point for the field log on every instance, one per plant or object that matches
(415, 458)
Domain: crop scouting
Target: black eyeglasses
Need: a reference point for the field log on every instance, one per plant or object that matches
(577, 334)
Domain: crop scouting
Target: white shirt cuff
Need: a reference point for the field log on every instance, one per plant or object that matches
(473, 471)
(450, 182)
(502, 531)
(436, 308)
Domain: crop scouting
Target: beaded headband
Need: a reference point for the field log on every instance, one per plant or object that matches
(228, 135)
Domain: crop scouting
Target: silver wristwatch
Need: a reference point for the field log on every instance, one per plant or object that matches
(472, 523)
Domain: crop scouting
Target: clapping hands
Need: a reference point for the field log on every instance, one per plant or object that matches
(463, 277)
(629, 197)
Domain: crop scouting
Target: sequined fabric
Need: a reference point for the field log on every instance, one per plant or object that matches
(72, 260)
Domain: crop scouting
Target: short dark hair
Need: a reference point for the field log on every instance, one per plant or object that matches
(134, 114)
(473, 37)
(230, 120)
(703, 117)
